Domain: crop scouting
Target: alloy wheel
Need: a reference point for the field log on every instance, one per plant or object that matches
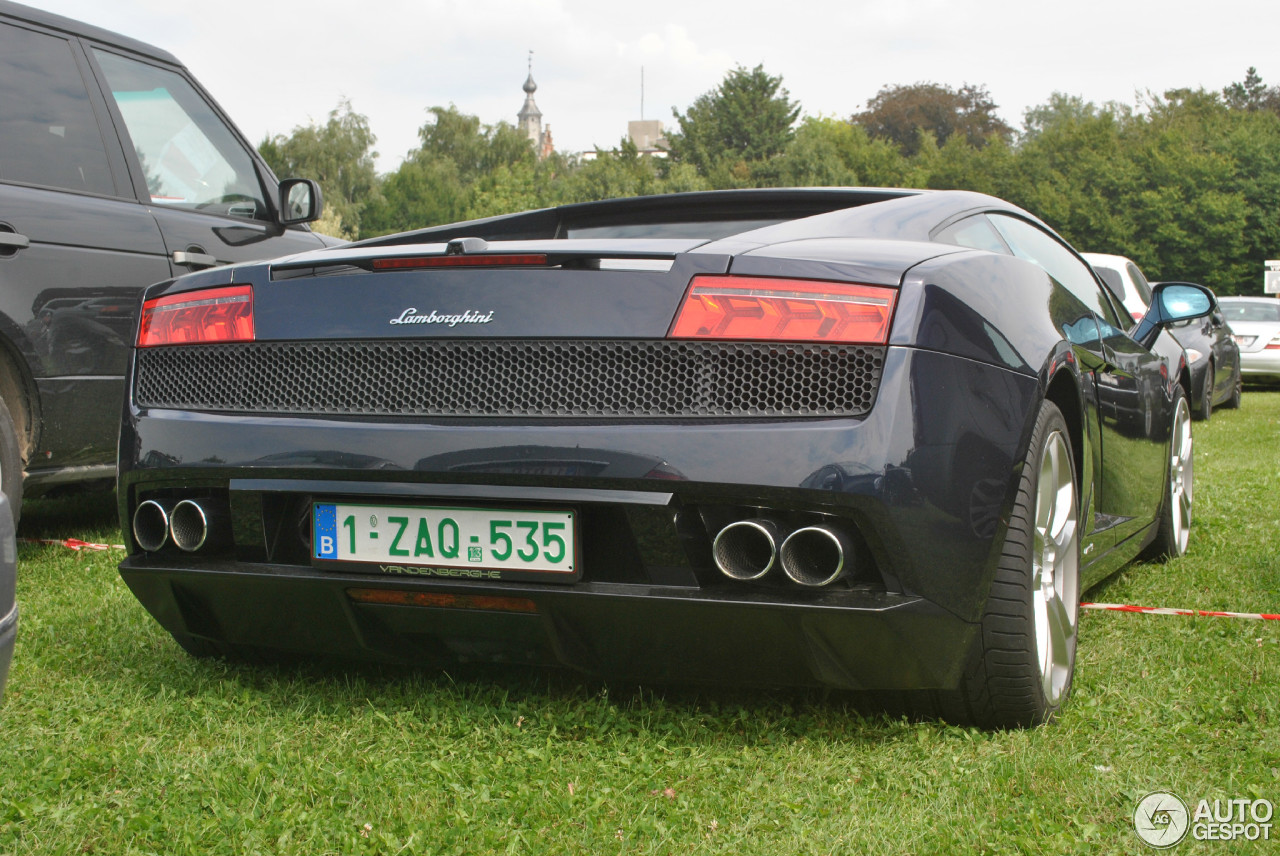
(1055, 561)
(1181, 470)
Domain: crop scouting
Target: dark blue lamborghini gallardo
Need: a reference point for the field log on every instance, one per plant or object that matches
(864, 439)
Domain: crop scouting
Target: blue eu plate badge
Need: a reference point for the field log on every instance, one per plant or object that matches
(325, 519)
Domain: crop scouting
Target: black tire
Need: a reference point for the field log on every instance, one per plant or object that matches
(1237, 393)
(1022, 674)
(10, 463)
(1173, 532)
(1206, 396)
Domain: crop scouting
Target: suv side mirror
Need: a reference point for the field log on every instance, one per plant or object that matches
(1172, 302)
(300, 201)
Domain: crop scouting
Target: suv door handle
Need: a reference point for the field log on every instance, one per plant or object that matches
(190, 259)
(14, 241)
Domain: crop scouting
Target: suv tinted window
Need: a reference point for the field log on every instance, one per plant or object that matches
(189, 157)
(1034, 245)
(48, 133)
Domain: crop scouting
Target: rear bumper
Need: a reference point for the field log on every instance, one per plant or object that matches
(924, 481)
(649, 633)
(1264, 362)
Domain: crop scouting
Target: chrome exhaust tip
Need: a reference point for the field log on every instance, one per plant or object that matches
(189, 525)
(746, 550)
(816, 556)
(151, 524)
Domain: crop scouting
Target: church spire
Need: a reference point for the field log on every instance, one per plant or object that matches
(529, 119)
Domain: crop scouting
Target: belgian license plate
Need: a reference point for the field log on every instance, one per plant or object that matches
(457, 543)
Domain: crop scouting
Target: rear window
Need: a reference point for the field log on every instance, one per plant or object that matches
(1251, 311)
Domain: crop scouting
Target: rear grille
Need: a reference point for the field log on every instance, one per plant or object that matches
(527, 378)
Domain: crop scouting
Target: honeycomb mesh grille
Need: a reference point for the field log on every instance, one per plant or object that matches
(526, 378)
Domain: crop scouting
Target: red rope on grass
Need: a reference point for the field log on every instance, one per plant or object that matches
(72, 544)
(1162, 610)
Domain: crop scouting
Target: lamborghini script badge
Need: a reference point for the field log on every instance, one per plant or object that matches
(471, 316)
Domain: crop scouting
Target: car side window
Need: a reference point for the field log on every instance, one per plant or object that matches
(189, 157)
(1031, 243)
(48, 132)
(976, 233)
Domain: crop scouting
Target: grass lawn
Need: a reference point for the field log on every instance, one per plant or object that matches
(116, 742)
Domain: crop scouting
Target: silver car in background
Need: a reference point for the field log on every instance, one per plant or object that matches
(1255, 321)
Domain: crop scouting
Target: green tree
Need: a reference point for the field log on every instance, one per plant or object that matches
(419, 193)
(900, 113)
(1075, 168)
(744, 121)
(461, 169)
(338, 154)
(473, 147)
(1252, 94)
(828, 152)
(620, 172)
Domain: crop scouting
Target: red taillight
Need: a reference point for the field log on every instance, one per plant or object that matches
(1137, 316)
(198, 317)
(494, 260)
(785, 310)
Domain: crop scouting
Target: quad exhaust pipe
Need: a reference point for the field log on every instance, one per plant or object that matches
(190, 524)
(151, 523)
(812, 556)
(747, 550)
(816, 555)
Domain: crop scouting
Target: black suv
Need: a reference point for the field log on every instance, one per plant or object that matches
(116, 171)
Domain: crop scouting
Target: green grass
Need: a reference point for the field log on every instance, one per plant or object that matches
(112, 741)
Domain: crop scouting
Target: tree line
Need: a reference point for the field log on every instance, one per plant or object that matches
(1186, 183)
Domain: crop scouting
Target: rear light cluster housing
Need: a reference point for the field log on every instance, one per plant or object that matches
(202, 317)
(771, 309)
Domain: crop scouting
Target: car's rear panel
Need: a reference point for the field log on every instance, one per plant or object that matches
(559, 387)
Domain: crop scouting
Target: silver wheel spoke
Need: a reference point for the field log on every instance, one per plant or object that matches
(1055, 567)
(1060, 629)
(1181, 478)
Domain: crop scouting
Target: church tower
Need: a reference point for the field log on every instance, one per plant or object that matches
(529, 119)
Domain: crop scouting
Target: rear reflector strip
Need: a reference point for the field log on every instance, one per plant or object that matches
(492, 260)
(397, 597)
(198, 317)
(737, 308)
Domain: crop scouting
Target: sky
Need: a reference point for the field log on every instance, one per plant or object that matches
(276, 64)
